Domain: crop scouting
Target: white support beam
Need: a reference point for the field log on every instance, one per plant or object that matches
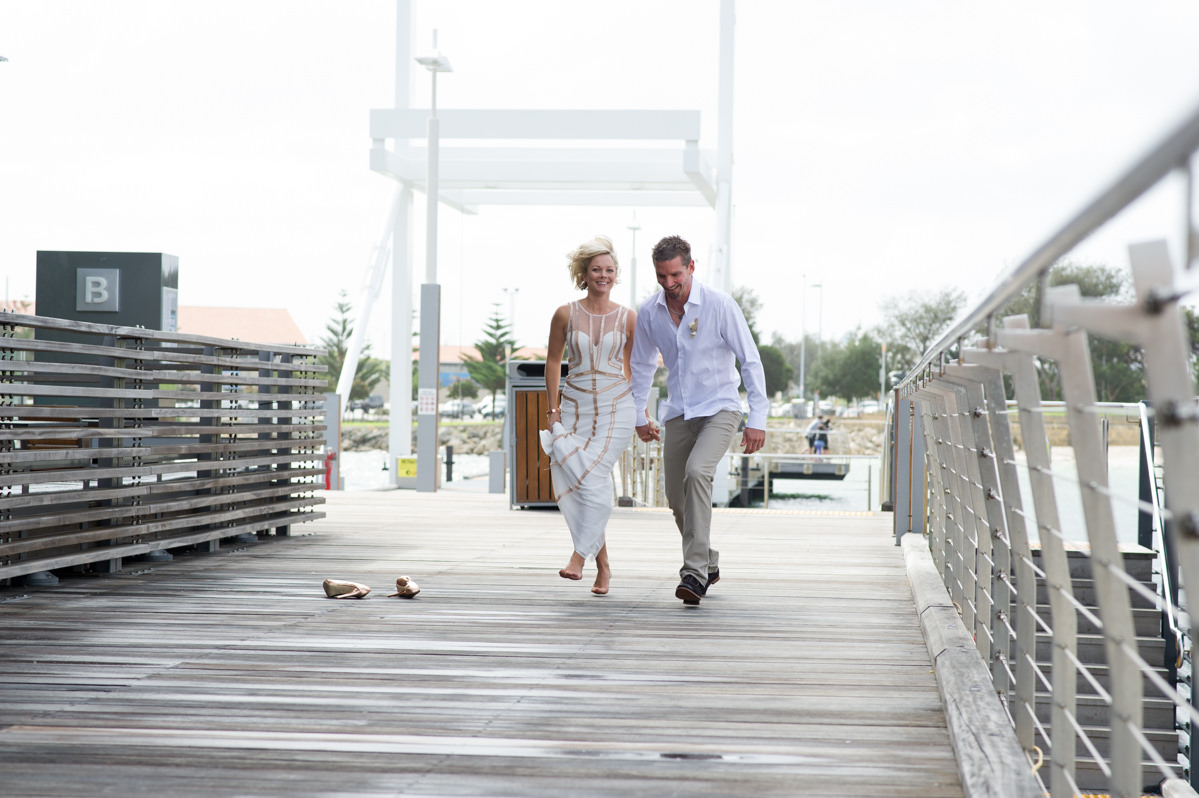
(722, 265)
(470, 199)
(523, 170)
(672, 125)
(474, 176)
(699, 169)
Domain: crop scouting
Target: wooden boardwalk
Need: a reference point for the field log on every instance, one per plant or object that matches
(804, 673)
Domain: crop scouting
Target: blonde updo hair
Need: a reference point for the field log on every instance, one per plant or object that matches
(580, 259)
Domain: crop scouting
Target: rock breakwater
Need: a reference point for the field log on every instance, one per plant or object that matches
(783, 436)
(465, 438)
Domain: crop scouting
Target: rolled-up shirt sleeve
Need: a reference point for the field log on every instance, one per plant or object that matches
(753, 376)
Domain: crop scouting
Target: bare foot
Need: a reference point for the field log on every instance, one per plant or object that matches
(602, 578)
(574, 568)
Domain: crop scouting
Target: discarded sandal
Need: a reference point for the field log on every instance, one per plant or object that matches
(335, 588)
(405, 587)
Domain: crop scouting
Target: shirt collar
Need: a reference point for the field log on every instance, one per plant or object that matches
(696, 295)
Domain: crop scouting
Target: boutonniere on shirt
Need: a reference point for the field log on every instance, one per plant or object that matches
(693, 326)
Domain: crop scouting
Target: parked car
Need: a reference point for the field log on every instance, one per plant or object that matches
(456, 408)
(372, 402)
(483, 408)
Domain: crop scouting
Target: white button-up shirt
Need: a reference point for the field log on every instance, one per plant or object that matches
(700, 355)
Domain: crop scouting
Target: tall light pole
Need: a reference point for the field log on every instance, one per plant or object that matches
(803, 342)
(430, 300)
(511, 292)
(634, 227)
(803, 339)
(882, 375)
(820, 322)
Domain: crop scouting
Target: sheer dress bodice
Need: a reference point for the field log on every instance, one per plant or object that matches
(597, 423)
(596, 366)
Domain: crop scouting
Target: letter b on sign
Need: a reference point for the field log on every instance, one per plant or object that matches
(97, 290)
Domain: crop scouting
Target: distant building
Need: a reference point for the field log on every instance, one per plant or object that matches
(452, 360)
(22, 306)
(252, 325)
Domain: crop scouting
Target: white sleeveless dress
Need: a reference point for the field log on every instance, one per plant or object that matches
(597, 424)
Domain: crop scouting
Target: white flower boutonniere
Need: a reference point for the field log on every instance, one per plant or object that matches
(693, 327)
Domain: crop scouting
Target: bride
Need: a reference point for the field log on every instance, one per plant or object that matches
(591, 417)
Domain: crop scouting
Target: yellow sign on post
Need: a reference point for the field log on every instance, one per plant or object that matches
(405, 467)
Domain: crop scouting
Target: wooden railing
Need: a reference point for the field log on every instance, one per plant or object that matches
(117, 442)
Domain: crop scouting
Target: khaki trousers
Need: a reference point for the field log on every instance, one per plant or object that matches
(691, 450)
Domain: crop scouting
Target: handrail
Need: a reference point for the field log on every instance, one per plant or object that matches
(1160, 539)
(958, 483)
(1172, 152)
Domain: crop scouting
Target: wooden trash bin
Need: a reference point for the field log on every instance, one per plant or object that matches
(529, 479)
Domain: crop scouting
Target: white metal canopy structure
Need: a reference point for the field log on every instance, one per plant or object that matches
(544, 175)
(532, 157)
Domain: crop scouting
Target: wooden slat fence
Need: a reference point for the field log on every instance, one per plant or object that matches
(121, 441)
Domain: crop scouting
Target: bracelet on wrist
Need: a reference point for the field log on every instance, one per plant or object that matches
(553, 410)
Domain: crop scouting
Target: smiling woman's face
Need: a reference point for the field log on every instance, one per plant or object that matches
(600, 274)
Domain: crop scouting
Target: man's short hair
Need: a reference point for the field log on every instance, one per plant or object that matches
(671, 247)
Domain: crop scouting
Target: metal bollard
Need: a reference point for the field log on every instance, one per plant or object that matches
(744, 481)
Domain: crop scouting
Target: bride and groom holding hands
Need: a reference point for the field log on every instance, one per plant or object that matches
(700, 335)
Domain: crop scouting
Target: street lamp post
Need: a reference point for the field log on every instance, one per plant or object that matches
(803, 339)
(819, 344)
(511, 292)
(820, 322)
(882, 375)
(634, 227)
(430, 299)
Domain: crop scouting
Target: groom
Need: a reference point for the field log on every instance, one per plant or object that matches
(700, 333)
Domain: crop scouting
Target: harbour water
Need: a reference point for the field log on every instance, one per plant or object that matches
(859, 491)
(1123, 480)
(367, 470)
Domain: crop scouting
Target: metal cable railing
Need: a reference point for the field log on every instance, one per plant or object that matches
(1081, 623)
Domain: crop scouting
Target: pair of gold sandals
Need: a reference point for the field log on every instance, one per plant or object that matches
(336, 588)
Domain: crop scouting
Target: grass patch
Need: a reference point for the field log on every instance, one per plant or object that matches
(820, 497)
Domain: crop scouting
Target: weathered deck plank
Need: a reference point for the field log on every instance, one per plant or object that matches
(803, 673)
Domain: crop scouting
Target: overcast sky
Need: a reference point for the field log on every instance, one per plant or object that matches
(881, 146)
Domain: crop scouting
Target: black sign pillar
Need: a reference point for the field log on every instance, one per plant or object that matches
(123, 288)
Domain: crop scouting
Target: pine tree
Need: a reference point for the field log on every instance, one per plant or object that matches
(496, 348)
(370, 371)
